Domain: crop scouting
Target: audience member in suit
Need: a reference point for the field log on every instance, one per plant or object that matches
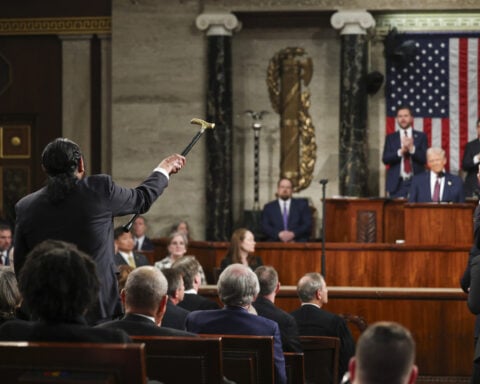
(189, 267)
(242, 245)
(404, 153)
(265, 306)
(471, 159)
(145, 300)
(287, 219)
(385, 354)
(177, 248)
(80, 209)
(59, 284)
(124, 244)
(10, 297)
(175, 315)
(313, 320)
(5, 243)
(424, 185)
(139, 230)
(237, 288)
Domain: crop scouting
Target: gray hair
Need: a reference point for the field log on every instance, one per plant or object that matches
(10, 297)
(267, 278)
(145, 287)
(237, 285)
(436, 151)
(308, 285)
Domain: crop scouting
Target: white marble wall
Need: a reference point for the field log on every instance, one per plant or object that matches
(158, 64)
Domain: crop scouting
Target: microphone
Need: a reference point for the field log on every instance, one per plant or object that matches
(440, 174)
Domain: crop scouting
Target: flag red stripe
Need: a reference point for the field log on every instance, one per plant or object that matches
(446, 141)
(427, 129)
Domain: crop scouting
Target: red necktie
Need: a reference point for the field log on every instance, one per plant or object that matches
(436, 191)
(407, 165)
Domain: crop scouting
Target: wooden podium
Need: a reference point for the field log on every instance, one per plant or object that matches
(433, 223)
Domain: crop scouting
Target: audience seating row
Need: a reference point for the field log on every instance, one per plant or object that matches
(206, 359)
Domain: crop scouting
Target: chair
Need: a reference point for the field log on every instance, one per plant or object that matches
(294, 367)
(356, 324)
(72, 363)
(321, 359)
(172, 359)
(247, 359)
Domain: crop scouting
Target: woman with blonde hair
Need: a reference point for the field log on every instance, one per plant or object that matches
(242, 246)
(10, 297)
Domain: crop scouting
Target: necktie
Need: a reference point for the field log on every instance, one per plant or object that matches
(131, 261)
(436, 191)
(285, 216)
(407, 165)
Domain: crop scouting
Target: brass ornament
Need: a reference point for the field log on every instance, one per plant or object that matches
(298, 147)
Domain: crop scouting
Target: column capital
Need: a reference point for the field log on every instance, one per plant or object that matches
(352, 22)
(218, 24)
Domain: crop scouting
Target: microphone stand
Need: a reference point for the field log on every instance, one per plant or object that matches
(204, 125)
(324, 186)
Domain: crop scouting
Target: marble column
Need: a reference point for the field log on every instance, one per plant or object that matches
(106, 103)
(76, 92)
(219, 179)
(353, 146)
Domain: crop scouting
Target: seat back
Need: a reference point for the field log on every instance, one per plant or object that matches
(172, 359)
(321, 359)
(68, 363)
(294, 367)
(247, 359)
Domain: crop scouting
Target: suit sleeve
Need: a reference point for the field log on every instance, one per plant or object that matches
(279, 360)
(420, 154)
(291, 341)
(390, 152)
(413, 193)
(467, 161)
(268, 226)
(473, 300)
(305, 228)
(347, 346)
(20, 245)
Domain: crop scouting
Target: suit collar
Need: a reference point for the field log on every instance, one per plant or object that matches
(139, 318)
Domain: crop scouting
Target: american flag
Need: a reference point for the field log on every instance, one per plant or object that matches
(442, 86)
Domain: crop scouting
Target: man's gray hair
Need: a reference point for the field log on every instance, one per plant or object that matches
(237, 285)
(267, 278)
(385, 353)
(308, 285)
(145, 287)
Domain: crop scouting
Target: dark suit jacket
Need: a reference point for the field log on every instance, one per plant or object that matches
(147, 245)
(20, 330)
(136, 325)
(390, 157)
(314, 321)
(471, 184)
(473, 297)
(299, 220)
(194, 302)
(85, 218)
(420, 191)
(174, 316)
(140, 259)
(256, 262)
(285, 321)
(237, 321)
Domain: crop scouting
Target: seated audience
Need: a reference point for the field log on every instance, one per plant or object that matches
(189, 267)
(385, 354)
(124, 244)
(139, 230)
(5, 243)
(264, 305)
(177, 248)
(10, 297)
(287, 219)
(237, 288)
(123, 272)
(436, 185)
(312, 320)
(145, 301)
(59, 284)
(242, 245)
(474, 306)
(175, 315)
(183, 227)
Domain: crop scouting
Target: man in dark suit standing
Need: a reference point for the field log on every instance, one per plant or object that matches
(142, 241)
(471, 159)
(436, 185)
(404, 153)
(80, 209)
(237, 288)
(287, 219)
(145, 300)
(313, 320)
(264, 305)
(124, 245)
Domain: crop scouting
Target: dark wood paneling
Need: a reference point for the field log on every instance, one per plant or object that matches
(55, 8)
